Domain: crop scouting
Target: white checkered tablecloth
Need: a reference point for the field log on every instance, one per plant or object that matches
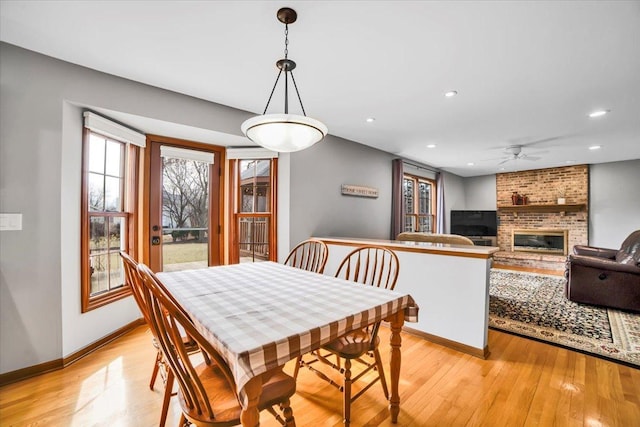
(261, 315)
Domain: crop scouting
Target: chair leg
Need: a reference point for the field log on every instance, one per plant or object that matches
(346, 403)
(383, 381)
(206, 357)
(183, 421)
(289, 421)
(156, 367)
(296, 369)
(168, 389)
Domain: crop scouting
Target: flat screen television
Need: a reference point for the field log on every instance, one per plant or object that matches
(474, 223)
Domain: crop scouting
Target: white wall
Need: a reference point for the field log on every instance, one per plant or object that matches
(284, 209)
(79, 329)
(614, 202)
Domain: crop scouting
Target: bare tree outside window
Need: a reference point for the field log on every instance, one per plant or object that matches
(185, 213)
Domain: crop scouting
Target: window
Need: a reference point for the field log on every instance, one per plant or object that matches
(419, 204)
(108, 216)
(254, 224)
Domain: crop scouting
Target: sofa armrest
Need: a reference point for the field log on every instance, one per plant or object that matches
(603, 264)
(595, 252)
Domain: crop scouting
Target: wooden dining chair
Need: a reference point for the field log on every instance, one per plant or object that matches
(373, 266)
(310, 255)
(132, 278)
(207, 392)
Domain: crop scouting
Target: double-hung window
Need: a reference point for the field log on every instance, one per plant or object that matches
(108, 214)
(254, 186)
(419, 204)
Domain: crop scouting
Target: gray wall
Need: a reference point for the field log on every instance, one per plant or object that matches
(40, 176)
(614, 202)
(317, 207)
(480, 193)
(454, 197)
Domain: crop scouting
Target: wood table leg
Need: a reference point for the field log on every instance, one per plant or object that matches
(250, 416)
(396, 323)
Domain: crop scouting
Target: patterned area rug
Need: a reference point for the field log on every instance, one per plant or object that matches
(534, 305)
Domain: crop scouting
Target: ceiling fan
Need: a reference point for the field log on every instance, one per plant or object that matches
(514, 152)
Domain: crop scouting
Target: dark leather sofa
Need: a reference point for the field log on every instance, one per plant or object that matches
(605, 277)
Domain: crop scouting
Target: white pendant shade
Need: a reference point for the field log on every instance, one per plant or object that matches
(284, 132)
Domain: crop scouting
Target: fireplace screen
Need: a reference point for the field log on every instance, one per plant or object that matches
(545, 241)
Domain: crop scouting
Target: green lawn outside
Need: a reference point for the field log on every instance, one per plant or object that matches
(177, 253)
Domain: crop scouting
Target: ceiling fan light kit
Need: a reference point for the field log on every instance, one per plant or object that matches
(515, 153)
(285, 132)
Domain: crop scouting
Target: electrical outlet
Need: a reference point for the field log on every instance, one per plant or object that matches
(10, 221)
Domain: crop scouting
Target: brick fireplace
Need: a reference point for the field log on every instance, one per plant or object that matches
(541, 190)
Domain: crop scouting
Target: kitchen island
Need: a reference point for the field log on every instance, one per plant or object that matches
(450, 284)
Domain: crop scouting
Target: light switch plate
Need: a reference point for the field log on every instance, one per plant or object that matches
(10, 221)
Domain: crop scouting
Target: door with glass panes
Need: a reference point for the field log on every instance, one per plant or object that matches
(184, 206)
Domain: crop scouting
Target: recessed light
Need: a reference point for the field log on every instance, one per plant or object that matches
(451, 93)
(595, 147)
(569, 161)
(431, 146)
(598, 113)
(371, 119)
(470, 164)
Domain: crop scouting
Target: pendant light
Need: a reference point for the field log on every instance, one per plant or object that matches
(285, 132)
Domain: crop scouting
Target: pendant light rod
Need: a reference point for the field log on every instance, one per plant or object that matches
(272, 90)
(286, 16)
(286, 92)
(298, 93)
(285, 132)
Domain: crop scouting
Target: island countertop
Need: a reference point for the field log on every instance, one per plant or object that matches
(424, 247)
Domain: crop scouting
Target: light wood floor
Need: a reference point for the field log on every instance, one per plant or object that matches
(523, 383)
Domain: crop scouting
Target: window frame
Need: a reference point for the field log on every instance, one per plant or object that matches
(128, 213)
(416, 203)
(236, 214)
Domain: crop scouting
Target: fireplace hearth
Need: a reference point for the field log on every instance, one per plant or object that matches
(540, 241)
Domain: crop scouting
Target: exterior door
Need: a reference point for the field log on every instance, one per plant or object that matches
(184, 210)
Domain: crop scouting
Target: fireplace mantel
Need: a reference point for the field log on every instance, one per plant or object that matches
(543, 208)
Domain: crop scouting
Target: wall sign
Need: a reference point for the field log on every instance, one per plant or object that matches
(359, 191)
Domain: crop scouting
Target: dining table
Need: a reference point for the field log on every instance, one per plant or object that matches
(261, 315)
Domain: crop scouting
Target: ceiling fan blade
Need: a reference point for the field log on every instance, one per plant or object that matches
(541, 141)
(493, 159)
(504, 161)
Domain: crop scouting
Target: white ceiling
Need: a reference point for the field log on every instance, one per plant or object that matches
(527, 73)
